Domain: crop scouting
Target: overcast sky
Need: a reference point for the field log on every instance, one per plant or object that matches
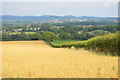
(99, 9)
(59, 0)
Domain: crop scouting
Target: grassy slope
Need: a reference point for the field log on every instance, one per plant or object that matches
(62, 41)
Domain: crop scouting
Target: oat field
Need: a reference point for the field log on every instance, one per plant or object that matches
(35, 59)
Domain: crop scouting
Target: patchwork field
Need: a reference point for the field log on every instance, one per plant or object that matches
(20, 32)
(35, 59)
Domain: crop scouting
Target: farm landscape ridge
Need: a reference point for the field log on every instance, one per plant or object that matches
(74, 58)
(52, 46)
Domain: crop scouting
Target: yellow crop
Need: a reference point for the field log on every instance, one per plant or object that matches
(35, 59)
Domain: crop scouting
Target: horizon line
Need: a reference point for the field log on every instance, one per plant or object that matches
(57, 15)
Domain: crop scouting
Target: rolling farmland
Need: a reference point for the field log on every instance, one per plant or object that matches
(35, 59)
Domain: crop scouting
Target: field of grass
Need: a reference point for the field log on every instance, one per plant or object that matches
(62, 41)
(35, 59)
(20, 32)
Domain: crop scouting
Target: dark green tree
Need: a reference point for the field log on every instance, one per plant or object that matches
(65, 35)
(49, 36)
(35, 36)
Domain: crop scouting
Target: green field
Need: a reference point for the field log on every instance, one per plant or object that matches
(20, 32)
(62, 41)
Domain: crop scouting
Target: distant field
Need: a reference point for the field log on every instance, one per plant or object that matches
(35, 59)
(20, 32)
(62, 41)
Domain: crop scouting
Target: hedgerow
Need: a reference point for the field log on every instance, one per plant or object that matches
(106, 43)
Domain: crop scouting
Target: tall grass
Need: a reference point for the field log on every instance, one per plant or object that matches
(106, 43)
(35, 59)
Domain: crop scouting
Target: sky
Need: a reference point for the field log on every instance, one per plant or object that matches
(59, 0)
(98, 9)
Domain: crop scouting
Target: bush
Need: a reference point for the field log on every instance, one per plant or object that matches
(106, 43)
(49, 36)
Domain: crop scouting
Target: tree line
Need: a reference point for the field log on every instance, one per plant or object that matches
(49, 33)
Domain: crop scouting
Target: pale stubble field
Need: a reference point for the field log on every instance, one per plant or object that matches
(35, 59)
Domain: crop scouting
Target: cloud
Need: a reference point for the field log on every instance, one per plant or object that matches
(59, 8)
(29, 8)
(108, 4)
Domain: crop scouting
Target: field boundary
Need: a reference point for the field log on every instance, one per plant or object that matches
(60, 79)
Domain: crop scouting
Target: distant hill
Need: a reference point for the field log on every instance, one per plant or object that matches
(53, 17)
